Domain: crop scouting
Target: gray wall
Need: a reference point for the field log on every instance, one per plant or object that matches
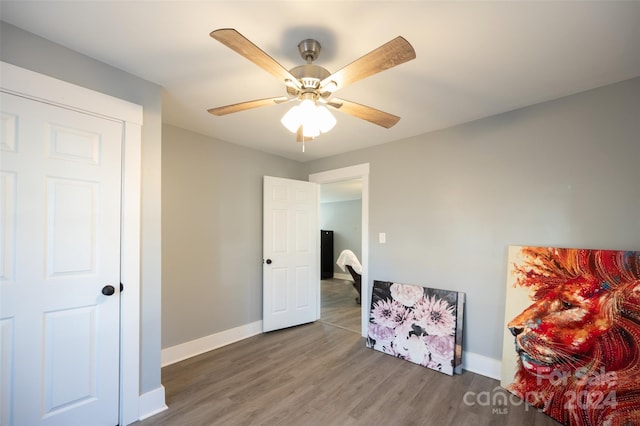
(563, 173)
(344, 218)
(212, 233)
(26, 50)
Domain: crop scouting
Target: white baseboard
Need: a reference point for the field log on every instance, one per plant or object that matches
(481, 364)
(151, 403)
(208, 343)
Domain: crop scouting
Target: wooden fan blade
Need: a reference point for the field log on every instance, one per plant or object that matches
(390, 54)
(242, 106)
(364, 112)
(241, 45)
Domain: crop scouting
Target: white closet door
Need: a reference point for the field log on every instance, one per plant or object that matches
(59, 265)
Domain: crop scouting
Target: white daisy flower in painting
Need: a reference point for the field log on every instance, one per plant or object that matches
(389, 313)
(435, 316)
(408, 295)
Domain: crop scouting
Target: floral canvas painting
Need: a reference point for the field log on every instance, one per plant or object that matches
(417, 324)
(572, 333)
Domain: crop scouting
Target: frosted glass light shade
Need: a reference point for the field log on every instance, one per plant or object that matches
(313, 119)
(325, 119)
(291, 120)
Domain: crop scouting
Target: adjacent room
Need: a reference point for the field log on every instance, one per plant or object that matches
(464, 199)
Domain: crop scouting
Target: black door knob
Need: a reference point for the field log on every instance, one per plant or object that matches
(108, 290)
(268, 261)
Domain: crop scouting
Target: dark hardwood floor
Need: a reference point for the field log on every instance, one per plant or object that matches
(322, 374)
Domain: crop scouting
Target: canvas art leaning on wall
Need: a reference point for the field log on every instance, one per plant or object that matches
(417, 324)
(572, 333)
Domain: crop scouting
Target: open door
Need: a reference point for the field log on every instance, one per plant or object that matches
(291, 279)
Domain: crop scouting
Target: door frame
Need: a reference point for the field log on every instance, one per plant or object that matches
(31, 85)
(359, 171)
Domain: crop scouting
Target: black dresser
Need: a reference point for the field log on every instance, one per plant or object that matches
(326, 254)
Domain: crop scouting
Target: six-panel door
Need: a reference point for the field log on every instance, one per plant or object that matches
(60, 246)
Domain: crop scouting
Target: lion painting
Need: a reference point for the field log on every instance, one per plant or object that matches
(577, 344)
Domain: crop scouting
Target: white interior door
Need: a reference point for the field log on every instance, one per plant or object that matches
(291, 279)
(60, 223)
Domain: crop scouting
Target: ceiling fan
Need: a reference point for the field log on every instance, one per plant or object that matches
(313, 85)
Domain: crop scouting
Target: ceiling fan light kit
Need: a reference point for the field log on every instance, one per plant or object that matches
(313, 118)
(313, 86)
(308, 119)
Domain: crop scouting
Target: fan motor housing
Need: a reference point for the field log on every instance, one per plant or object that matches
(310, 75)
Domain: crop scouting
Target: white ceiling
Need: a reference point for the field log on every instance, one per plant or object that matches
(474, 59)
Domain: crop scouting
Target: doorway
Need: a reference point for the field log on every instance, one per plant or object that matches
(352, 173)
(340, 221)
